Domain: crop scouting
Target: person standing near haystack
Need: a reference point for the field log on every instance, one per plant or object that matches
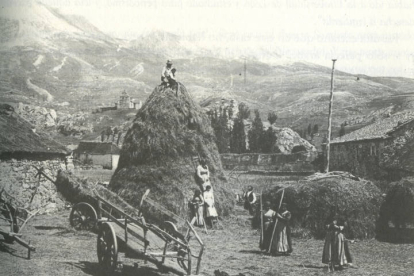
(268, 220)
(197, 209)
(211, 212)
(204, 175)
(283, 235)
(334, 252)
(249, 200)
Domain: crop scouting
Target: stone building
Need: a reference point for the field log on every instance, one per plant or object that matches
(21, 150)
(125, 102)
(377, 150)
(105, 154)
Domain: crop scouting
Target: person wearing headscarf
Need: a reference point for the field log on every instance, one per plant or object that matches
(335, 249)
(268, 220)
(211, 212)
(203, 174)
(283, 234)
(197, 208)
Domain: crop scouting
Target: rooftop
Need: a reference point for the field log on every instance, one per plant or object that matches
(377, 130)
(18, 135)
(99, 148)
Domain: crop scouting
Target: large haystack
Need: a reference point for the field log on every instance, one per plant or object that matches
(314, 200)
(169, 130)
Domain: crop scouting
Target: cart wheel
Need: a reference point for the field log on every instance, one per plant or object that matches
(107, 247)
(83, 216)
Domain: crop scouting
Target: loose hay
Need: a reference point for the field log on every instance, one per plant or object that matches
(169, 130)
(312, 202)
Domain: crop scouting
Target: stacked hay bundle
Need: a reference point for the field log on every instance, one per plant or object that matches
(398, 208)
(312, 201)
(158, 150)
(75, 190)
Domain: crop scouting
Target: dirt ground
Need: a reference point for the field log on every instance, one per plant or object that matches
(64, 251)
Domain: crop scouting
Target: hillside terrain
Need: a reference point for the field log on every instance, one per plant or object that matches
(63, 62)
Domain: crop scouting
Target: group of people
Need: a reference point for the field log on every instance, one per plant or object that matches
(275, 238)
(202, 203)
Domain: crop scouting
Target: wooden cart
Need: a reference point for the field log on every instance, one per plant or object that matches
(13, 219)
(167, 248)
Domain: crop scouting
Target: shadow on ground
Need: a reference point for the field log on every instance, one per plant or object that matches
(96, 269)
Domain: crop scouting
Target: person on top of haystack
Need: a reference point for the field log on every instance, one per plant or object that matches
(197, 209)
(335, 249)
(249, 200)
(211, 212)
(203, 174)
(168, 76)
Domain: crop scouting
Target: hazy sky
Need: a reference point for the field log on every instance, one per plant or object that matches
(369, 37)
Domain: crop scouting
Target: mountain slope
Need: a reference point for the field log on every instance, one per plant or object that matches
(48, 58)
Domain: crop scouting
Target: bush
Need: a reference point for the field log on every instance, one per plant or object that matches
(312, 202)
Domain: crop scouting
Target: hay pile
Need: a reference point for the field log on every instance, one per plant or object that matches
(398, 206)
(313, 201)
(76, 190)
(169, 130)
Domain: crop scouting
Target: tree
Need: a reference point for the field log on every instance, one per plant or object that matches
(298, 148)
(272, 117)
(269, 141)
(244, 111)
(256, 133)
(342, 131)
(315, 128)
(238, 137)
(310, 129)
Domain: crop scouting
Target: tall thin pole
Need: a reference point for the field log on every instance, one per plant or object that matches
(245, 71)
(328, 147)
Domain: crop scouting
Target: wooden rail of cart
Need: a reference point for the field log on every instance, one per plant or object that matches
(13, 219)
(167, 248)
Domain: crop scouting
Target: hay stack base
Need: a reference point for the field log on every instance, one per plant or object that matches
(158, 151)
(313, 200)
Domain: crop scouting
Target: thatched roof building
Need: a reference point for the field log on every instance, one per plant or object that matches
(169, 130)
(18, 139)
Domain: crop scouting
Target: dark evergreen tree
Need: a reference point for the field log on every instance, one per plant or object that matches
(238, 136)
(272, 117)
(256, 133)
(269, 141)
(315, 128)
(342, 131)
(309, 129)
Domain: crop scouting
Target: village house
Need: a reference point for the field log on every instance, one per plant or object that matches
(22, 150)
(125, 102)
(105, 154)
(375, 151)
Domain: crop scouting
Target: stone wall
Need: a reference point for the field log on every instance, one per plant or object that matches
(299, 162)
(360, 158)
(17, 177)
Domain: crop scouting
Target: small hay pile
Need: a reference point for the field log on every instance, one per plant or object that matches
(76, 190)
(312, 201)
(169, 130)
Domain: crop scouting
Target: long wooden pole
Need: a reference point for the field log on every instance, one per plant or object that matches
(328, 146)
(261, 219)
(274, 228)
